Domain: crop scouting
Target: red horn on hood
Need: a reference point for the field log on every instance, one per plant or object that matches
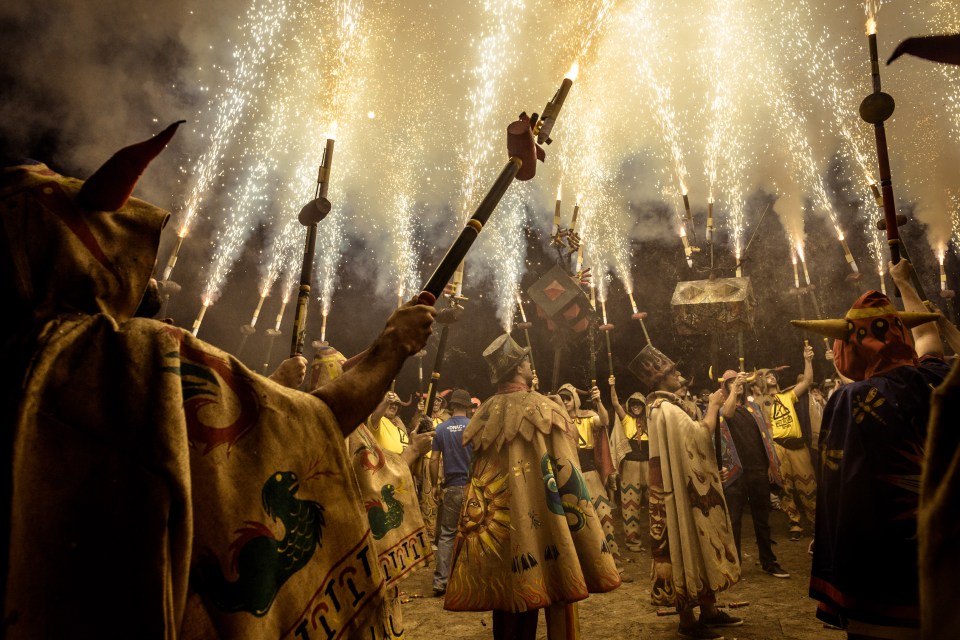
(111, 185)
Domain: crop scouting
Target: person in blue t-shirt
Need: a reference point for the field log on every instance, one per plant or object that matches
(449, 450)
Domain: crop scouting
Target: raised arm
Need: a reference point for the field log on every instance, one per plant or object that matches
(807, 378)
(948, 331)
(713, 409)
(601, 410)
(354, 395)
(614, 400)
(926, 337)
(730, 404)
(829, 356)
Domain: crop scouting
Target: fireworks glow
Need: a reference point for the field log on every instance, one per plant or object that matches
(758, 102)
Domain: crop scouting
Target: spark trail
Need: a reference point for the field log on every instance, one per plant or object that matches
(264, 23)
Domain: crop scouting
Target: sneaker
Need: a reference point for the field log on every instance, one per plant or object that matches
(699, 632)
(721, 619)
(437, 593)
(795, 533)
(635, 548)
(775, 570)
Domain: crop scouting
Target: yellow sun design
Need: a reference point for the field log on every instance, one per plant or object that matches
(485, 520)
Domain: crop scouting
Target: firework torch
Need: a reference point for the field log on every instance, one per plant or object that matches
(556, 216)
(248, 330)
(639, 316)
(323, 326)
(544, 124)
(446, 317)
(847, 255)
(710, 221)
(606, 327)
(172, 262)
(526, 332)
(310, 216)
(203, 311)
(523, 152)
(271, 336)
(876, 109)
(740, 356)
(593, 337)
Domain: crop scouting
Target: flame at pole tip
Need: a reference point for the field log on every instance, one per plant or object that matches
(871, 8)
(331, 133)
(573, 72)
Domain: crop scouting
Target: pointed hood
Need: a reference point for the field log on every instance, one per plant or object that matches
(874, 337)
(109, 188)
(67, 258)
(939, 48)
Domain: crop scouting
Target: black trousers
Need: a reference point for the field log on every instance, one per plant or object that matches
(515, 626)
(753, 488)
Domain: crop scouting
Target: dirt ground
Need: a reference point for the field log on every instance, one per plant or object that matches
(777, 608)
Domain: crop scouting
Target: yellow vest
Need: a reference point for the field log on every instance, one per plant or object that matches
(585, 430)
(783, 416)
(390, 436)
(630, 427)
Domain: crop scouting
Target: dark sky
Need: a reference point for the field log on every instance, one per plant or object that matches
(79, 83)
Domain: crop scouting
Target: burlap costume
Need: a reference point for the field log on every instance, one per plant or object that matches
(158, 488)
(390, 499)
(529, 536)
(387, 490)
(694, 554)
(597, 454)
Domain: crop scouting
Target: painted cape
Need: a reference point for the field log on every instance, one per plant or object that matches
(692, 541)
(156, 487)
(528, 535)
(872, 452)
(390, 499)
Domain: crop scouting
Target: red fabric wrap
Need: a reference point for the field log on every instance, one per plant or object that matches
(877, 340)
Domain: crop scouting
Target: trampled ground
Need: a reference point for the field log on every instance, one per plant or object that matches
(777, 608)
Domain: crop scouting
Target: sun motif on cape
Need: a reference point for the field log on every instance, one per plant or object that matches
(485, 521)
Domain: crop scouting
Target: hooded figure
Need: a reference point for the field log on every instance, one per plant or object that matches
(596, 462)
(634, 466)
(529, 537)
(155, 486)
(864, 570)
(386, 486)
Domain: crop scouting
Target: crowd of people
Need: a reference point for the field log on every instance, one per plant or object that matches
(206, 500)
